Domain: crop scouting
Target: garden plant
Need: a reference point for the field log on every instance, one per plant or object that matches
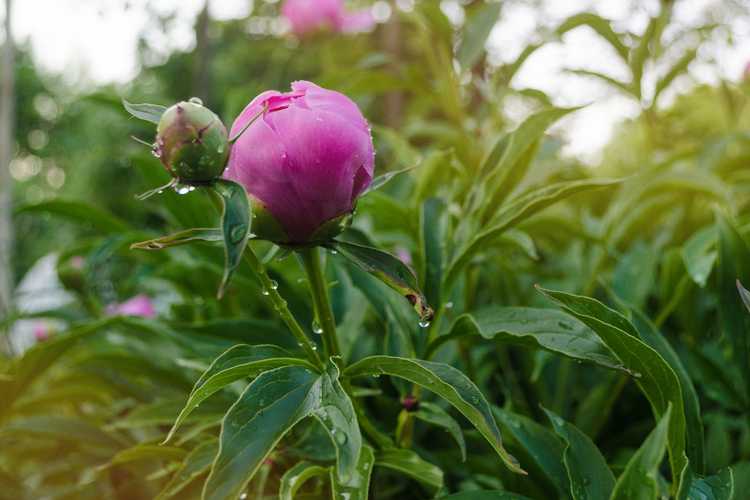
(380, 281)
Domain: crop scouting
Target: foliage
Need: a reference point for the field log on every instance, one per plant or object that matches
(623, 374)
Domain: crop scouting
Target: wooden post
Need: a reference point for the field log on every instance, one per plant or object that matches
(6, 154)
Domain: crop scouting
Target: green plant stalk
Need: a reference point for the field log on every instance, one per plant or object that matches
(280, 306)
(310, 258)
(278, 302)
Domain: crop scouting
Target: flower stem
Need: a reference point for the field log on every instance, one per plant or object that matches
(310, 258)
(280, 305)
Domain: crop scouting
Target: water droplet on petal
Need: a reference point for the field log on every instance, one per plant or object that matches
(199, 102)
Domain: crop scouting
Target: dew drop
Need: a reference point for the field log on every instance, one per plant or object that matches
(156, 152)
(182, 188)
(424, 323)
(340, 437)
(265, 292)
(198, 101)
(334, 252)
(316, 328)
(274, 285)
(449, 305)
(237, 233)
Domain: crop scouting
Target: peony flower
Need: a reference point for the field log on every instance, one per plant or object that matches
(140, 305)
(303, 161)
(310, 16)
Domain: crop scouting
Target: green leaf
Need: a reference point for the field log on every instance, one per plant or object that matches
(654, 377)
(733, 265)
(484, 495)
(432, 230)
(589, 475)
(295, 477)
(699, 255)
(59, 428)
(24, 371)
(448, 383)
(599, 24)
(357, 486)
(79, 212)
(623, 86)
(381, 180)
(181, 238)
(516, 212)
(388, 269)
(504, 167)
(196, 463)
(547, 329)
(141, 452)
(679, 67)
(435, 415)
(694, 446)
(719, 486)
(541, 446)
(237, 362)
(477, 30)
(639, 479)
(147, 112)
(271, 405)
(744, 295)
(411, 464)
(235, 224)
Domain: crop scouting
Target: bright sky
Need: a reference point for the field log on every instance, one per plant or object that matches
(96, 40)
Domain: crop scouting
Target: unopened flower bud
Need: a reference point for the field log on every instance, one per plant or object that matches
(192, 142)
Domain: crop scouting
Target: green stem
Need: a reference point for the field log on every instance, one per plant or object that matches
(280, 305)
(310, 258)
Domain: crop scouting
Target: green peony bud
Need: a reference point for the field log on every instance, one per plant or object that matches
(192, 142)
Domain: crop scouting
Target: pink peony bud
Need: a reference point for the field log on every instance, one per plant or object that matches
(303, 162)
(140, 305)
(310, 16)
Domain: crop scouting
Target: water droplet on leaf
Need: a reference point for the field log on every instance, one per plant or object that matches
(316, 328)
(237, 233)
(424, 323)
(274, 285)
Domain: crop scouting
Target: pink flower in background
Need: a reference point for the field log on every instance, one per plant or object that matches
(140, 305)
(746, 72)
(41, 332)
(403, 255)
(304, 161)
(309, 16)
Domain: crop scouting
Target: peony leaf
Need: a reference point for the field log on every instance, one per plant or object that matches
(547, 329)
(235, 224)
(358, 485)
(271, 405)
(388, 269)
(147, 112)
(237, 362)
(448, 383)
(411, 464)
(181, 238)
